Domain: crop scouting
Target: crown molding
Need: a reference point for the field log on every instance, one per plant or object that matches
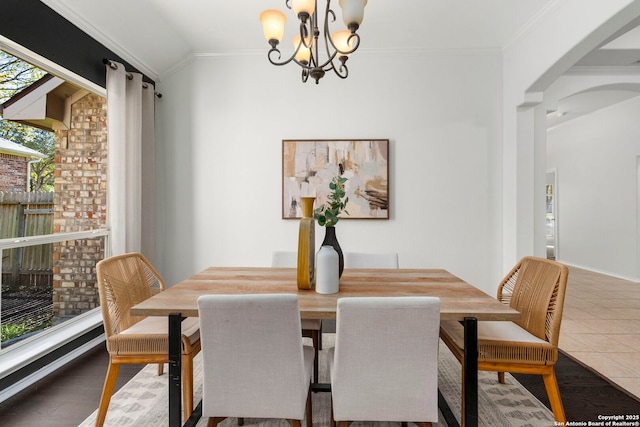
(532, 23)
(388, 52)
(177, 66)
(370, 53)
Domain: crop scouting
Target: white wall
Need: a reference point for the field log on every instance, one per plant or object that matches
(595, 158)
(467, 157)
(221, 122)
(175, 189)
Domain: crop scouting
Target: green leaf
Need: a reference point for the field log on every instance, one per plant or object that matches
(328, 214)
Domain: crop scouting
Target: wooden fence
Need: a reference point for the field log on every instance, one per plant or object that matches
(26, 214)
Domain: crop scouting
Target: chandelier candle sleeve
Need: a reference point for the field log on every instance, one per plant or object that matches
(307, 50)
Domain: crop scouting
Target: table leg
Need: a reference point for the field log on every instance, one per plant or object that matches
(470, 373)
(175, 371)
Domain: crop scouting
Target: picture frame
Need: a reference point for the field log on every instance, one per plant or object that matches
(308, 166)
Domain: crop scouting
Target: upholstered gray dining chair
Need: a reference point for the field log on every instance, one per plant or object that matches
(370, 260)
(253, 361)
(391, 375)
(311, 328)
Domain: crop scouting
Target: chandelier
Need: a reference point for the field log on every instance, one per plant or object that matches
(338, 45)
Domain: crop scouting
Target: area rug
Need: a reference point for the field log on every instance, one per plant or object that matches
(143, 400)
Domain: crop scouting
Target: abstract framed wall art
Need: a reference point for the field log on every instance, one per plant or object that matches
(309, 165)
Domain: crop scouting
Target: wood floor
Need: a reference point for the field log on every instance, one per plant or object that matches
(67, 397)
(600, 328)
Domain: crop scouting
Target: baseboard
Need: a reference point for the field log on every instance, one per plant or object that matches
(595, 270)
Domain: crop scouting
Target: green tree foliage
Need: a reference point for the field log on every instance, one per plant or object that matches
(15, 75)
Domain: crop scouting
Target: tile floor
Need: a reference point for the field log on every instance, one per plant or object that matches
(601, 326)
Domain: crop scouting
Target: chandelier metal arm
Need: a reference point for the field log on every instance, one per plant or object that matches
(329, 41)
(342, 71)
(304, 32)
(275, 62)
(327, 38)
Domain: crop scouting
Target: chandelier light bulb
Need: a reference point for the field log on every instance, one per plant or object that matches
(342, 43)
(304, 53)
(273, 25)
(352, 13)
(303, 8)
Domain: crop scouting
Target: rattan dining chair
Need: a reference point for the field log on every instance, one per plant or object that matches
(370, 260)
(536, 288)
(311, 328)
(124, 281)
(391, 375)
(254, 364)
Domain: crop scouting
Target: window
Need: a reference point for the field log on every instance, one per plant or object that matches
(55, 238)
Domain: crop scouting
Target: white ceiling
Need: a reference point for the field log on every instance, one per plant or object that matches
(155, 35)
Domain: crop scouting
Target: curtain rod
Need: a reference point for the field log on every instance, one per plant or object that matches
(114, 66)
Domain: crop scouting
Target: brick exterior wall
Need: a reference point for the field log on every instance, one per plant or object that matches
(13, 172)
(80, 203)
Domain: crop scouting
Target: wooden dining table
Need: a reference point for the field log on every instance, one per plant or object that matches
(458, 301)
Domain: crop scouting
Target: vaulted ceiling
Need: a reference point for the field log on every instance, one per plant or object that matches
(155, 35)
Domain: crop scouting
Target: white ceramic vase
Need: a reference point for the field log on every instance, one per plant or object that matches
(327, 270)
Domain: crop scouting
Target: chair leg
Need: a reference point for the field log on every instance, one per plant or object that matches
(214, 421)
(501, 377)
(332, 422)
(316, 337)
(160, 369)
(240, 421)
(553, 392)
(107, 391)
(187, 386)
(309, 409)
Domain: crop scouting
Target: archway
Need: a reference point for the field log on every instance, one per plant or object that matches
(557, 45)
